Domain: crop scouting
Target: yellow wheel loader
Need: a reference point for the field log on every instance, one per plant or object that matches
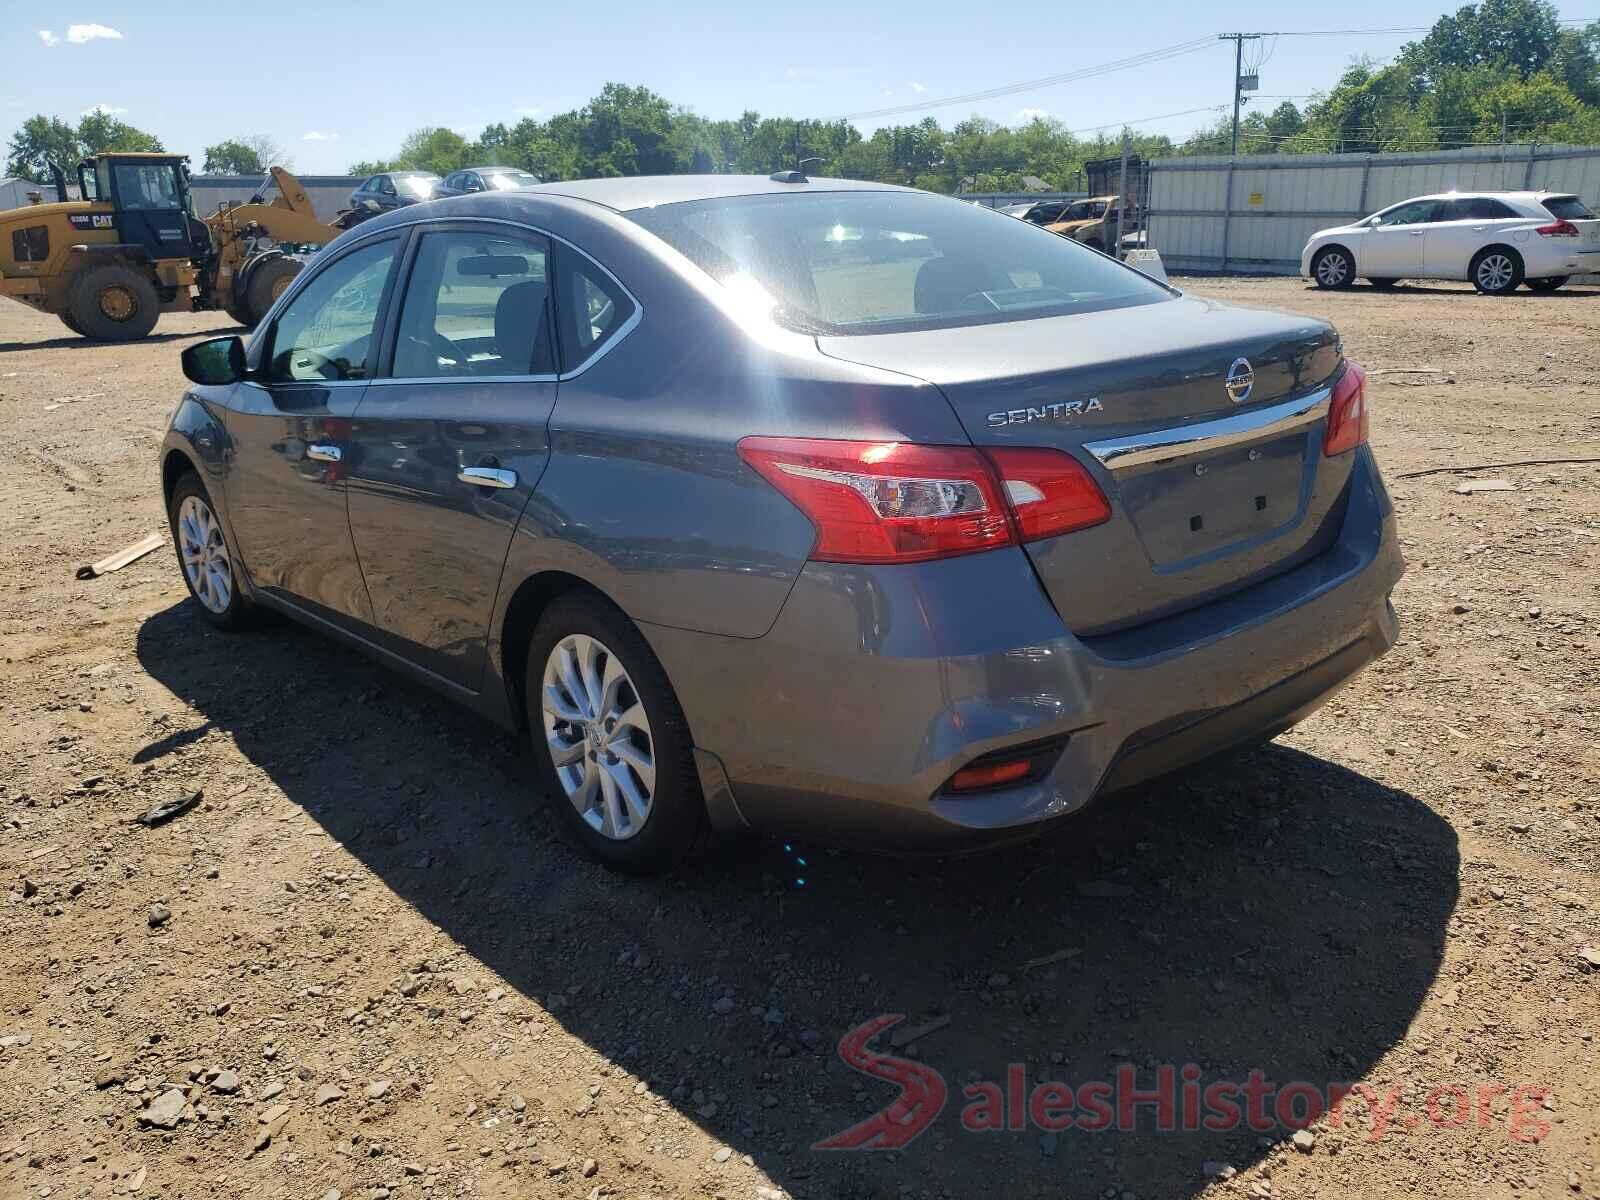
(109, 264)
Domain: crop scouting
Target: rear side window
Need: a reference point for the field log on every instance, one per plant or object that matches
(881, 262)
(593, 309)
(1475, 208)
(476, 305)
(1568, 208)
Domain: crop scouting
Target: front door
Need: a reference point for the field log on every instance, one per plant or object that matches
(151, 208)
(1391, 247)
(448, 448)
(289, 429)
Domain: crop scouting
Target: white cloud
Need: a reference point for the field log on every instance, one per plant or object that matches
(317, 135)
(79, 34)
(104, 109)
(1031, 114)
(918, 87)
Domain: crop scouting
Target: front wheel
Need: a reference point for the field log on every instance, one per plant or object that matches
(1333, 268)
(1496, 271)
(1548, 283)
(610, 743)
(204, 556)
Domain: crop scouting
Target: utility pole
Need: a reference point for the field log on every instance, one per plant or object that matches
(1122, 199)
(1238, 40)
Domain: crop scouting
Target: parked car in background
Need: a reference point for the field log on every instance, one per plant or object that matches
(1092, 222)
(1494, 239)
(799, 506)
(1038, 212)
(395, 189)
(485, 179)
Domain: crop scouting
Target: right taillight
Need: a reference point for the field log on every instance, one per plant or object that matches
(1347, 412)
(1561, 228)
(889, 502)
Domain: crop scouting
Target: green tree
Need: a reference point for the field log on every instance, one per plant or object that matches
(245, 156)
(41, 141)
(101, 132)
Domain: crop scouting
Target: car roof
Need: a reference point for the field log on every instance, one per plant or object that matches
(499, 167)
(1473, 195)
(648, 191)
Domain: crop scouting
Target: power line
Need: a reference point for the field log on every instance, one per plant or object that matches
(1011, 89)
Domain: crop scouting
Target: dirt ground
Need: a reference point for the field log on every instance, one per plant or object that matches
(414, 989)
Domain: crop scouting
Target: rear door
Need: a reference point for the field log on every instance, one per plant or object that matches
(289, 434)
(450, 444)
(1460, 229)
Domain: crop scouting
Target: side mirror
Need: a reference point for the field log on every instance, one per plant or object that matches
(371, 205)
(218, 361)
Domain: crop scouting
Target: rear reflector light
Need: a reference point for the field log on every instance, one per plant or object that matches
(1347, 412)
(971, 779)
(1049, 492)
(1561, 228)
(887, 502)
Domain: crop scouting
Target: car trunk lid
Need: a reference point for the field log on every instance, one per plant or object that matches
(1211, 488)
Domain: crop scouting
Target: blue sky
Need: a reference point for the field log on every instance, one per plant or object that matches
(333, 83)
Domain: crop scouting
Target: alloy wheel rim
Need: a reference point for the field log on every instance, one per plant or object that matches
(205, 555)
(1331, 269)
(599, 736)
(1494, 272)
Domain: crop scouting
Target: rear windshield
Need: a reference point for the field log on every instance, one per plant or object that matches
(1568, 208)
(880, 262)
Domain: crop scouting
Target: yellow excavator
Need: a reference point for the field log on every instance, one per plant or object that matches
(132, 248)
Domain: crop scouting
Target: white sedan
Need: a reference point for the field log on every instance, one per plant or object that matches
(1494, 239)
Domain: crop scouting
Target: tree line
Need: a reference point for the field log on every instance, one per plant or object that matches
(1500, 70)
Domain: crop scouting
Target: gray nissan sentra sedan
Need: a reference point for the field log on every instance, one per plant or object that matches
(802, 506)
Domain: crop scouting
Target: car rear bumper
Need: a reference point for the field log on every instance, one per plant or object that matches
(876, 684)
(1548, 256)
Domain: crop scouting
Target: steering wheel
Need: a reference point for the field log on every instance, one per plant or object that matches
(307, 364)
(440, 347)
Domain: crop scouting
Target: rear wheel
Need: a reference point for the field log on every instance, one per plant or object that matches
(204, 556)
(1496, 271)
(1334, 268)
(267, 283)
(1548, 283)
(610, 743)
(114, 303)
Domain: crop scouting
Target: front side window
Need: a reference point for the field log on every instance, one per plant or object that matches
(881, 262)
(1417, 212)
(510, 181)
(325, 333)
(1568, 208)
(148, 186)
(592, 308)
(476, 304)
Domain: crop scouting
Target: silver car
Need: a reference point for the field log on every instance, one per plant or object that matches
(798, 506)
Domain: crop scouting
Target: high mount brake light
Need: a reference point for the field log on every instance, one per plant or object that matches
(895, 502)
(1347, 412)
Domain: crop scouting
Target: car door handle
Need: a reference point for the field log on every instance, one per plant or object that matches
(323, 452)
(491, 477)
(1419, 232)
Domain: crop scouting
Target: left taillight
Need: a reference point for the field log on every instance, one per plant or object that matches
(1347, 412)
(1562, 228)
(888, 502)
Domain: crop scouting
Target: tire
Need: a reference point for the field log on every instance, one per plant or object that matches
(70, 323)
(114, 303)
(266, 284)
(204, 557)
(1548, 283)
(1333, 268)
(1496, 270)
(596, 800)
(239, 312)
(1383, 285)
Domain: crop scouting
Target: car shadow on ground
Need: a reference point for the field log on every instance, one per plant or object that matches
(1276, 913)
(73, 341)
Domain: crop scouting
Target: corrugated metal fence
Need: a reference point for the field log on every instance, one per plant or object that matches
(1254, 214)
